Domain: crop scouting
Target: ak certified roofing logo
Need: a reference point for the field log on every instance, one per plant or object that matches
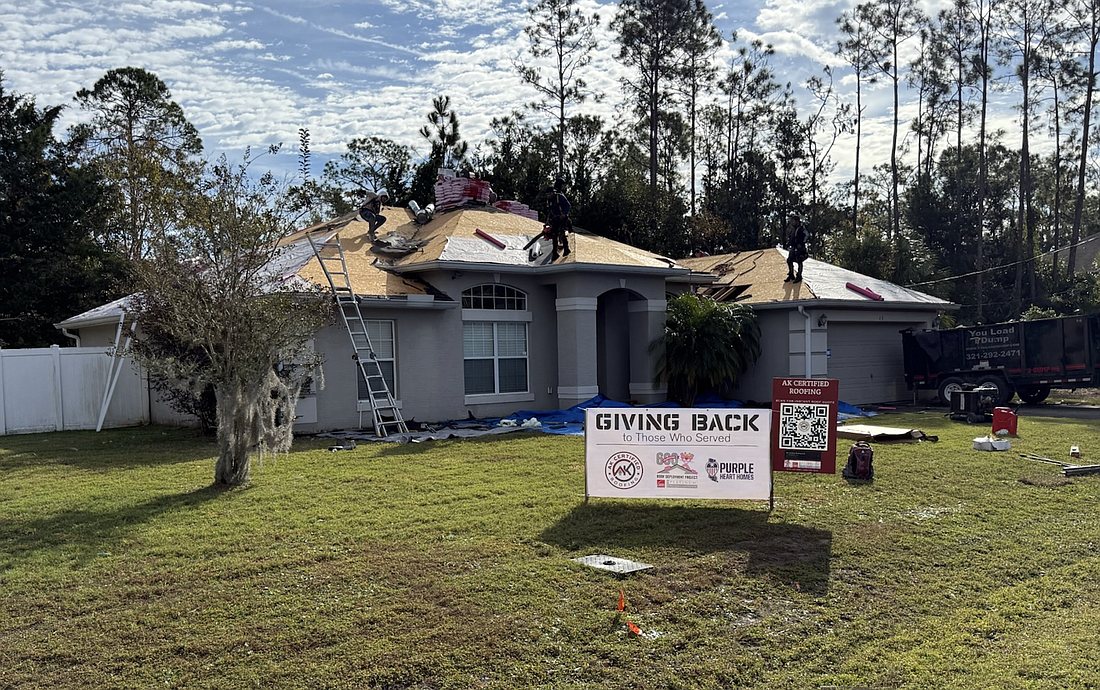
(623, 470)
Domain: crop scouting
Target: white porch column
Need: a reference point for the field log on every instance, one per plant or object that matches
(576, 350)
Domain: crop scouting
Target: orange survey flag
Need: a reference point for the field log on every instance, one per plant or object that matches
(622, 599)
(633, 628)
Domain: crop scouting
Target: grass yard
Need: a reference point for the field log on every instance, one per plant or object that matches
(447, 565)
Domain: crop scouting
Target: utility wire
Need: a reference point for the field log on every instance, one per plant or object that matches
(997, 268)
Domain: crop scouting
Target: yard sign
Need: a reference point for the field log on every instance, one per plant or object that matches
(804, 438)
(655, 452)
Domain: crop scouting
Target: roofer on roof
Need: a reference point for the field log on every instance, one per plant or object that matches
(796, 249)
(371, 210)
(557, 213)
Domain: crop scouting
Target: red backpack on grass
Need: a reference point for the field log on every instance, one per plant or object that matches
(860, 462)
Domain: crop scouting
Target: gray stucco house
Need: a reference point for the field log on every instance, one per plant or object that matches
(465, 320)
(850, 323)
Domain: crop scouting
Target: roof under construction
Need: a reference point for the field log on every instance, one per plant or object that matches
(757, 278)
(473, 236)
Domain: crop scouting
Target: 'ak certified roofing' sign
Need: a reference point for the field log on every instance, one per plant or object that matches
(677, 453)
(804, 438)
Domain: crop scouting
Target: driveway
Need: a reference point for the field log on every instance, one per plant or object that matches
(1059, 410)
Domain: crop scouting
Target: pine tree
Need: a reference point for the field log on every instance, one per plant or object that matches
(51, 209)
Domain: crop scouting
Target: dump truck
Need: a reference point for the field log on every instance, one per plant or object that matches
(1025, 358)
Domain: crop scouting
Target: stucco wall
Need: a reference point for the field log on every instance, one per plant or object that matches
(860, 347)
(756, 383)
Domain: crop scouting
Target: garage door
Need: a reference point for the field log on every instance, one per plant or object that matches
(867, 360)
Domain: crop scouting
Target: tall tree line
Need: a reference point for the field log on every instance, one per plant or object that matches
(713, 153)
(986, 169)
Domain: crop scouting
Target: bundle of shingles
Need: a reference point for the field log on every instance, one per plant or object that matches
(452, 192)
(519, 208)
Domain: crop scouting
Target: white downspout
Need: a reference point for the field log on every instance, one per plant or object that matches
(809, 366)
(67, 334)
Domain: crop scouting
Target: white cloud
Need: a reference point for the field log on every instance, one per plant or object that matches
(236, 44)
(251, 75)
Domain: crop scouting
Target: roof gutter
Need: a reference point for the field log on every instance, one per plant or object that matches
(107, 320)
(429, 266)
(419, 302)
(695, 278)
(854, 304)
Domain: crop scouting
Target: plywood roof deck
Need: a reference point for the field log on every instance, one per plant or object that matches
(761, 274)
(452, 236)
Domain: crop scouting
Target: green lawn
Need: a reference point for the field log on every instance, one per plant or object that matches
(447, 565)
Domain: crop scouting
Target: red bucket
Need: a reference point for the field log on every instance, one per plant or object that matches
(1004, 419)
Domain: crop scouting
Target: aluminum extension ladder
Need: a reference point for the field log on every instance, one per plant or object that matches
(384, 409)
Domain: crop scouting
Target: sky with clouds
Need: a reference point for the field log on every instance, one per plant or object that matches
(253, 73)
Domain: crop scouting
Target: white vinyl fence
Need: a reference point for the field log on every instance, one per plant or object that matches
(62, 388)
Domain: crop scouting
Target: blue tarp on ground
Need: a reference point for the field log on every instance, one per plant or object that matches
(567, 422)
(846, 411)
(571, 421)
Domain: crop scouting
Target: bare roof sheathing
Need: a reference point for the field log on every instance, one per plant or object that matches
(452, 237)
(762, 271)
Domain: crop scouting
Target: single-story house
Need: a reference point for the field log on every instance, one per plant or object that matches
(468, 316)
(850, 323)
(465, 320)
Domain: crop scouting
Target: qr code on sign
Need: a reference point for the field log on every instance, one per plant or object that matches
(803, 426)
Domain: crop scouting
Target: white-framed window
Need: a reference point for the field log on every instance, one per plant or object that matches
(495, 357)
(494, 340)
(381, 334)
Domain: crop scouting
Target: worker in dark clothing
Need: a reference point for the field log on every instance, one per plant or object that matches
(557, 212)
(371, 210)
(796, 249)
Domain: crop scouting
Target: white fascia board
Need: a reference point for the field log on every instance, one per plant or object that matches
(869, 305)
(429, 266)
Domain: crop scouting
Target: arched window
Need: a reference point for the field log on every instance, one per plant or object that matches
(494, 346)
(493, 296)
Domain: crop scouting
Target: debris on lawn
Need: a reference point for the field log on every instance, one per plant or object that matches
(1068, 469)
(879, 434)
(619, 566)
(1078, 470)
(991, 443)
(532, 423)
